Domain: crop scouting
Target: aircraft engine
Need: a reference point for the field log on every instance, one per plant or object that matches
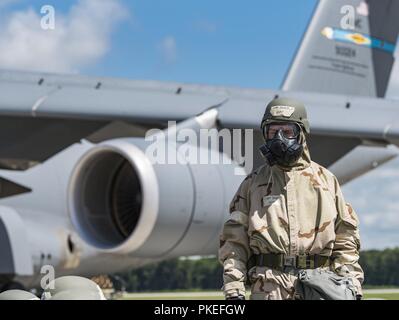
(121, 202)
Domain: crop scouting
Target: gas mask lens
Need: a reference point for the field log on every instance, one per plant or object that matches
(289, 130)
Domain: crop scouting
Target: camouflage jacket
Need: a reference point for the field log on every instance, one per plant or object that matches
(299, 210)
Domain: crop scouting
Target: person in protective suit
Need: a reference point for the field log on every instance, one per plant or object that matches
(288, 215)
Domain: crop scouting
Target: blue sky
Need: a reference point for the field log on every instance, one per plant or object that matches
(217, 42)
(223, 42)
(238, 43)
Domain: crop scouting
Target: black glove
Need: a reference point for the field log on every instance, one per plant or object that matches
(239, 297)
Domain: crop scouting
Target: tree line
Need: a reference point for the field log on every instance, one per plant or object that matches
(380, 268)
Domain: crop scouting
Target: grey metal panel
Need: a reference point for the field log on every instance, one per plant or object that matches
(139, 104)
(146, 101)
(332, 115)
(119, 129)
(52, 81)
(361, 160)
(17, 242)
(76, 97)
(327, 61)
(325, 150)
(149, 101)
(37, 139)
(384, 24)
(317, 66)
(6, 258)
(208, 210)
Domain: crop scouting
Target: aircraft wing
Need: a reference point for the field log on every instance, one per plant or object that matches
(76, 98)
(43, 114)
(341, 73)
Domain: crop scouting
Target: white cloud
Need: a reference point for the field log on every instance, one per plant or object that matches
(383, 220)
(168, 48)
(80, 38)
(375, 199)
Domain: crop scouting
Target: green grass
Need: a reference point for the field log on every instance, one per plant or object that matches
(177, 298)
(385, 296)
(365, 287)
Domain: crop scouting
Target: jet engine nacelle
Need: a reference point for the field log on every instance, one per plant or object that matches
(121, 202)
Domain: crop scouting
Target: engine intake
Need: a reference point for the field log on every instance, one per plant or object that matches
(110, 188)
(122, 203)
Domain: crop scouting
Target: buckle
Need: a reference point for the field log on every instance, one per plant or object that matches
(290, 261)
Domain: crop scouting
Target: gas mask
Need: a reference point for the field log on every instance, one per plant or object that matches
(282, 145)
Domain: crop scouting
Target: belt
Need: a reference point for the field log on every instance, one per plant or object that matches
(282, 261)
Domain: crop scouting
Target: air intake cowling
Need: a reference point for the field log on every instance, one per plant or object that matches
(120, 202)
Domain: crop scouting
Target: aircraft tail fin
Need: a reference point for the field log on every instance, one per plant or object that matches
(348, 48)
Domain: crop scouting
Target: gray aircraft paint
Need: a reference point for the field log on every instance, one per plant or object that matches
(326, 64)
(7, 260)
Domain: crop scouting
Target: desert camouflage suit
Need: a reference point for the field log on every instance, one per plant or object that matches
(294, 211)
